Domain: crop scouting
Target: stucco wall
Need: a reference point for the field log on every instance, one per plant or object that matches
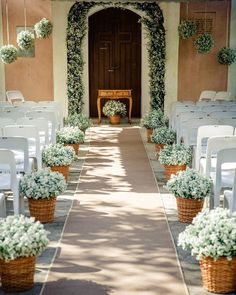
(60, 11)
(2, 73)
(33, 76)
(232, 68)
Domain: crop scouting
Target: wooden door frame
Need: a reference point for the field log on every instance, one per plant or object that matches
(145, 96)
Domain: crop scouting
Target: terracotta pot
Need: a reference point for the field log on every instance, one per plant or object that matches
(173, 169)
(149, 135)
(218, 276)
(43, 209)
(188, 209)
(62, 169)
(75, 146)
(18, 275)
(158, 147)
(114, 120)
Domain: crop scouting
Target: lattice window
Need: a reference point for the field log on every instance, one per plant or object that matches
(205, 22)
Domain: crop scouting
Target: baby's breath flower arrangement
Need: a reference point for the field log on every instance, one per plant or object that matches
(190, 184)
(212, 234)
(187, 29)
(25, 40)
(70, 135)
(226, 56)
(204, 43)
(176, 154)
(58, 155)
(79, 120)
(114, 107)
(43, 28)
(154, 119)
(42, 184)
(8, 54)
(21, 236)
(163, 135)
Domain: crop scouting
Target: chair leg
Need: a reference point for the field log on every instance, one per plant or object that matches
(2, 206)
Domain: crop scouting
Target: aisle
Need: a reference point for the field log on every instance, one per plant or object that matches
(116, 240)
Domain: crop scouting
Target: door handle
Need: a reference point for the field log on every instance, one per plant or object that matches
(110, 70)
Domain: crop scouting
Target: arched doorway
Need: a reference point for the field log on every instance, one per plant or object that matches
(115, 55)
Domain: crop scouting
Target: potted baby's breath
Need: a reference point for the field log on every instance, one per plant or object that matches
(212, 239)
(43, 28)
(190, 189)
(58, 157)
(226, 56)
(175, 157)
(70, 136)
(153, 119)
(79, 120)
(8, 54)
(41, 189)
(25, 40)
(21, 240)
(114, 109)
(162, 136)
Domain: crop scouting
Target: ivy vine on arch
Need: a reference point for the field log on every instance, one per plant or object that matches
(77, 30)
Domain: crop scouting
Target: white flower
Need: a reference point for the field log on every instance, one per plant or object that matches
(176, 154)
(163, 135)
(114, 107)
(154, 119)
(70, 135)
(8, 54)
(43, 28)
(79, 120)
(58, 155)
(25, 40)
(21, 236)
(42, 184)
(211, 234)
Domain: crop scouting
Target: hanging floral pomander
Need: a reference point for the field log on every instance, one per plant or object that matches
(43, 28)
(187, 29)
(25, 40)
(204, 43)
(8, 54)
(226, 56)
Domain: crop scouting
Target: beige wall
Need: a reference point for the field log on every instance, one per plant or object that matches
(232, 68)
(2, 73)
(32, 76)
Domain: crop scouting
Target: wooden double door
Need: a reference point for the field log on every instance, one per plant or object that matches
(115, 55)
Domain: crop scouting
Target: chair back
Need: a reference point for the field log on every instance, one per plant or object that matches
(223, 95)
(207, 95)
(14, 95)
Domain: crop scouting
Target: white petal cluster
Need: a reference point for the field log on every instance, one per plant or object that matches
(163, 135)
(114, 107)
(187, 29)
(8, 54)
(212, 234)
(25, 40)
(204, 43)
(190, 184)
(21, 236)
(43, 28)
(58, 155)
(176, 154)
(79, 120)
(42, 184)
(154, 119)
(70, 135)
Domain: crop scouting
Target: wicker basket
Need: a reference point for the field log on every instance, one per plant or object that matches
(42, 209)
(62, 169)
(114, 120)
(75, 146)
(159, 147)
(18, 275)
(218, 276)
(188, 209)
(149, 135)
(173, 169)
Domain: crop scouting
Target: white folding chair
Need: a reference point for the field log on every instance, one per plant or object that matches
(189, 135)
(27, 103)
(14, 95)
(51, 107)
(181, 109)
(224, 176)
(203, 133)
(207, 95)
(215, 108)
(222, 114)
(51, 117)
(42, 126)
(9, 179)
(230, 196)
(2, 206)
(4, 122)
(14, 114)
(20, 147)
(223, 95)
(32, 134)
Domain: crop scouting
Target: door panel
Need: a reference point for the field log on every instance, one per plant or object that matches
(198, 72)
(115, 55)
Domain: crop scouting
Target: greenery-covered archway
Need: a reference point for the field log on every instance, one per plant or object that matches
(76, 31)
